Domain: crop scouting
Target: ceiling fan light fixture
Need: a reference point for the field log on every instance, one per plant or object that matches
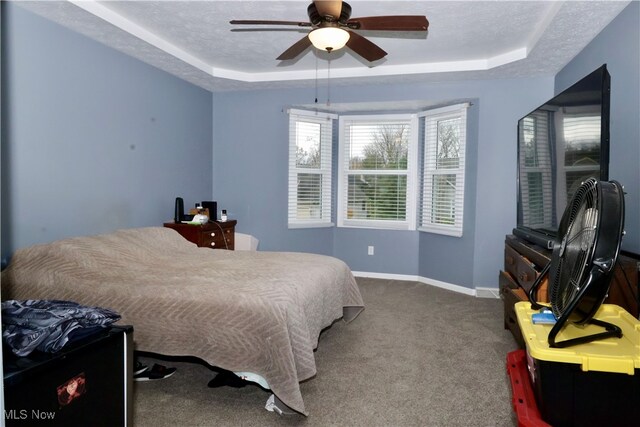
(329, 38)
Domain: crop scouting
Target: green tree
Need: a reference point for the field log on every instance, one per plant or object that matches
(384, 195)
(308, 158)
(444, 184)
(448, 154)
(388, 148)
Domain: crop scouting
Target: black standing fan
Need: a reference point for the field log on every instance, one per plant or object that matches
(582, 261)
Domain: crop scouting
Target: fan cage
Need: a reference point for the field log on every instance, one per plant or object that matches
(583, 260)
(575, 251)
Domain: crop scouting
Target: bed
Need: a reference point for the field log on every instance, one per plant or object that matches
(243, 311)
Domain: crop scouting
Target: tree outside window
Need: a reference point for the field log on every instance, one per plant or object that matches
(380, 193)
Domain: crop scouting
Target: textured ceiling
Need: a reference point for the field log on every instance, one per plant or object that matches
(466, 40)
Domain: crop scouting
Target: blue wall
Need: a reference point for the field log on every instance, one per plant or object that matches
(254, 167)
(92, 139)
(250, 147)
(618, 45)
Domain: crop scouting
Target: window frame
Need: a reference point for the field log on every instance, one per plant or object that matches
(326, 122)
(429, 169)
(409, 223)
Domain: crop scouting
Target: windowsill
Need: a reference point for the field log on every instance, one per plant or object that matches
(378, 226)
(441, 231)
(310, 225)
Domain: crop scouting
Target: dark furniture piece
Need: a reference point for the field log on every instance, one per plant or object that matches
(523, 262)
(88, 382)
(214, 234)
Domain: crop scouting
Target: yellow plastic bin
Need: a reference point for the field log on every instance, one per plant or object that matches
(592, 384)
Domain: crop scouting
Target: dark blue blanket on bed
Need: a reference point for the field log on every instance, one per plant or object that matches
(47, 325)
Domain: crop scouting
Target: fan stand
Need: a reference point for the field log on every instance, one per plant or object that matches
(611, 330)
(535, 286)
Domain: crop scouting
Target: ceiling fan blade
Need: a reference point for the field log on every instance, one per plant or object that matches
(363, 47)
(296, 49)
(390, 23)
(329, 7)
(262, 22)
(267, 30)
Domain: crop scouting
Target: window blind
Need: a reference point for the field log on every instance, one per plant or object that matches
(309, 190)
(377, 171)
(443, 171)
(536, 187)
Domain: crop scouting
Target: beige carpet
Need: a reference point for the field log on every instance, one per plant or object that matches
(417, 356)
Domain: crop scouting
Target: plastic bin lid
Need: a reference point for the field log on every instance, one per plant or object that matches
(620, 355)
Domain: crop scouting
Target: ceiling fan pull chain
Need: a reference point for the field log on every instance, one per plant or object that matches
(329, 80)
(316, 78)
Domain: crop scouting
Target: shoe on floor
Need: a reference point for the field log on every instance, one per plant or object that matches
(157, 372)
(139, 368)
(227, 378)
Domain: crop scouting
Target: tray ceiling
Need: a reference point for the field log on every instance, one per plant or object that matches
(466, 39)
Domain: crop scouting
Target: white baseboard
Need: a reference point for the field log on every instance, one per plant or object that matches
(386, 276)
(488, 293)
(478, 292)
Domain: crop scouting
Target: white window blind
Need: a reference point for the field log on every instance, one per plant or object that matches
(581, 136)
(536, 188)
(442, 204)
(377, 171)
(310, 139)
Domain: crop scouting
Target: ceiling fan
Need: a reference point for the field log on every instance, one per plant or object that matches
(332, 28)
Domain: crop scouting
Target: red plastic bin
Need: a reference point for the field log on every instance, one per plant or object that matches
(522, 397)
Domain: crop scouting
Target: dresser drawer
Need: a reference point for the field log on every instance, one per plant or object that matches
(511, 293)
(214, 235)
(524, 273)
(218, 238)
(522, 270)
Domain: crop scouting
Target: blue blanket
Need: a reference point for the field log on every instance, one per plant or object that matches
(48, 325)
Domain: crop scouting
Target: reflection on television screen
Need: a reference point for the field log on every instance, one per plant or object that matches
(561, 144)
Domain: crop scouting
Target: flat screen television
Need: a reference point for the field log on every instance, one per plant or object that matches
(560, 145)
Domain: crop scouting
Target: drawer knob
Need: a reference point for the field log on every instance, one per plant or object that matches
(509, 260)
(213, 243)
(213, 234)
(524, 277)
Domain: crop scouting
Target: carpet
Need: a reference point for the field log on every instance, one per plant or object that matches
(417, 356)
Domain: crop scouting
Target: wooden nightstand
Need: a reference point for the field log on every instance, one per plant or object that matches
(214, 235)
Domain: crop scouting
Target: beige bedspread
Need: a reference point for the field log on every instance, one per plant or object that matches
(259, 312)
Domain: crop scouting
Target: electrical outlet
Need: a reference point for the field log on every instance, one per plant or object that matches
(370, 250)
